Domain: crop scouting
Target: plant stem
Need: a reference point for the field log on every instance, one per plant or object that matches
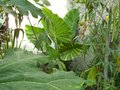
(36, 37)
(33, 30)
(107, 48)
(106, 77)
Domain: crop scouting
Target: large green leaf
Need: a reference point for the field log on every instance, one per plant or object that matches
(56, 27)
(72, 18)
(19, 71)
(23, 6)
(33, 33)
(6, 8)
(38, 37)
(70, 50)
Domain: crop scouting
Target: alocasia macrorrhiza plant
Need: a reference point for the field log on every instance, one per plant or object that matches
(57, 31)
(57, 37)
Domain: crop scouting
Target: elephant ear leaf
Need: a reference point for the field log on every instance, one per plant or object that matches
(20, 70)
(33, 33)
(71, 50)
(57, 28)
(68, 51)
(72, 18)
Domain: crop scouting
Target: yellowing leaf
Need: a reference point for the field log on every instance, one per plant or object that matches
(118, 64)
(92, 74)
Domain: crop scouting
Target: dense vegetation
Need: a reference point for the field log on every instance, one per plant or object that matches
(79, 52)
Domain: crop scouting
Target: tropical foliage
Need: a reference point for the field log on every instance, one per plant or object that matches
(21, 70)
(59, 33)
(101, 19)
(86, 42)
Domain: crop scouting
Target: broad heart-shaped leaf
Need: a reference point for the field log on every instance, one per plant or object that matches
(33, 33)
(56, 27)
(38, 37)
(19, 71)
(70, 50)
(72, 18)
(24, 6)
